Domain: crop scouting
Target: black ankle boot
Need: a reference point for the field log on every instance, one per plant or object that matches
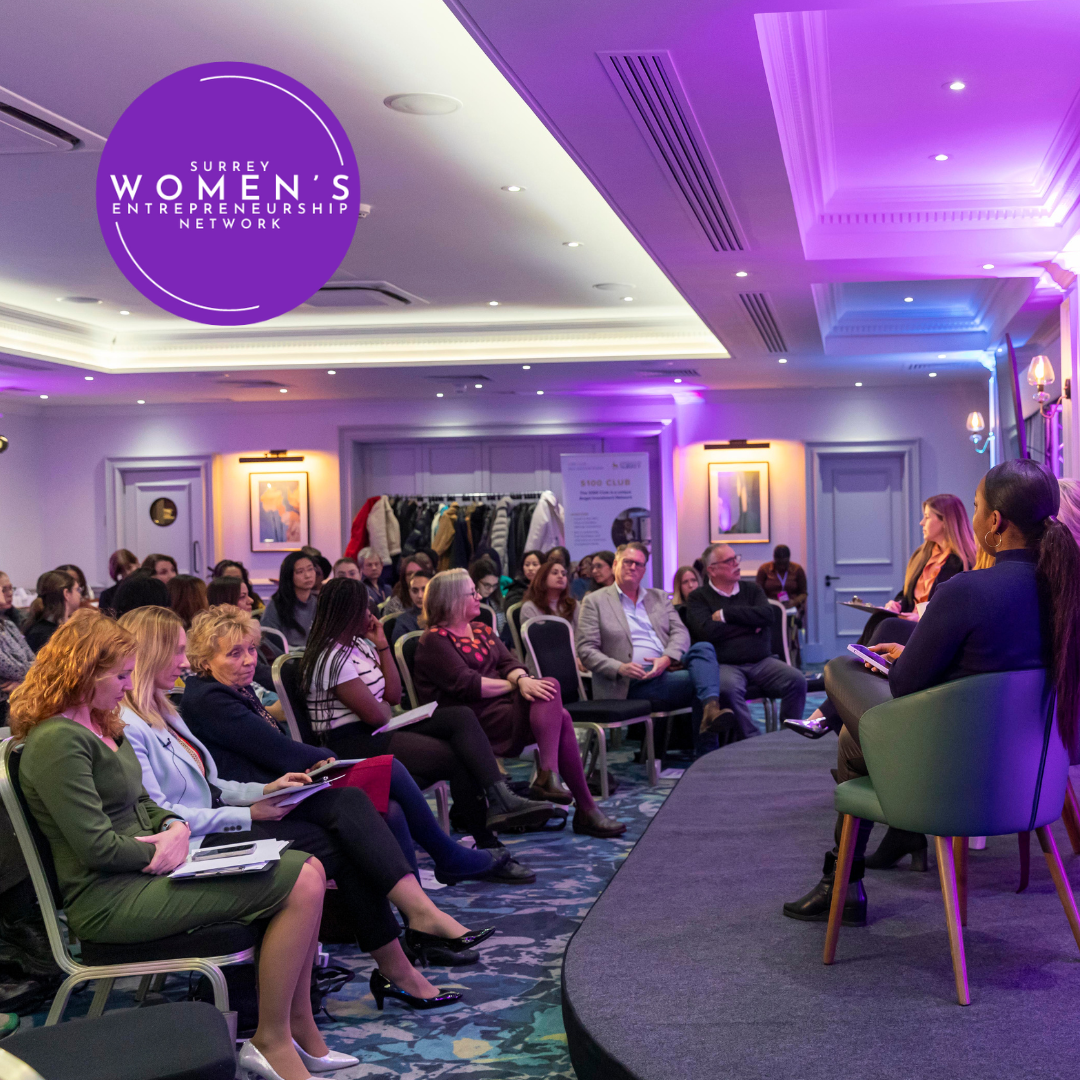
(894, 846)
(814, 906)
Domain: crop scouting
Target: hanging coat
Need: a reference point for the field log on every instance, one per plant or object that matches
(546, 528)
(358, 537)
(383, 530)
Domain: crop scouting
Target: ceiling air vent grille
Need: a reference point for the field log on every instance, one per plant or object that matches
(650, 87)
(758, 308)
(667, 373)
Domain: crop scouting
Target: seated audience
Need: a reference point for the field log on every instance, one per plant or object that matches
(59, 596)
(229, 590)
(351, 682)
(121, 563)
(140, 589)
(187, 597)
(735, 618)
(1069, 511)
(784, 580)
(322, 566)
(460, 661)
(948, 548)
(16, 656)
(292, 607)
(231, 568)
(80, 577)
(603, 570)
(685, 582)
(515, 591)
(637, 647)
(162, 567)
(398, 600)
(549, 594)
(485, 576)
(409, 620)
(559, 554)
(343, 830)
(371, 568)
(113, 848)
(347, 567)
(1020, 614)
(582, 580)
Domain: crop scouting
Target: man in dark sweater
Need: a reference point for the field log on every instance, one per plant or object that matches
(735, 617)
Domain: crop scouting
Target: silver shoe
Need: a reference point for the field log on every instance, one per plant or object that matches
(331, 1061)
(251, 1065)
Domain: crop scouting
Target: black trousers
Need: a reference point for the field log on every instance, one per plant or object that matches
(449, 745)
(345, 832)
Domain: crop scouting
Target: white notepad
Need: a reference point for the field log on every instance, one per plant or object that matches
(413, 716)
(265, 853)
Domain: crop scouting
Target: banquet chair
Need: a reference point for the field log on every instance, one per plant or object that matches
(513, 618)
(487, 616)
(206, 950)
(979, 756)
(279, 639)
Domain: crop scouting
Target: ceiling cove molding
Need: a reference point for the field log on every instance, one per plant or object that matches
(794, 48)
(644, 337)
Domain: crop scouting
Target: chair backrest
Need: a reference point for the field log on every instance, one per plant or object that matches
(279, 639)
(779, 631)
(35, 850)
(487, 615)
(388, 623)
(550, 641)
(979, 756)
(405, 654)
(513, 620)
(290, 692)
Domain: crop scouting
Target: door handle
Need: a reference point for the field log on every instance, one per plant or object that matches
(830, 578)
(195, 557)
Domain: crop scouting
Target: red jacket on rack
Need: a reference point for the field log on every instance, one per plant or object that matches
(358, 536)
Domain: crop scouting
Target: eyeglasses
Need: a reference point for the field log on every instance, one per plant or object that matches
(634, 563)
(733, 561)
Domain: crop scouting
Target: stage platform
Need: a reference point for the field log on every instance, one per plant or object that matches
(686, 969)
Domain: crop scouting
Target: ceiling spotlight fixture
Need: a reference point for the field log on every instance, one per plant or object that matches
(140, 402)
(478, 386)
(125, 312)
(283, 391)
(740, 273)
(614, 286)
(513, 187)
(782, 360)
(493, 303)
(44, 397)
(909, 299)
(540, 393)
(89, 378)
(858, 384)
(956, 84)
(941, 356)
(331, 373)
(941, 157)
(932, 374)
(572, 243)
(628, 299)
(526, 367)
(988, 266)
(678, 380)
(79, 299)
(438, 395)
(422, 104)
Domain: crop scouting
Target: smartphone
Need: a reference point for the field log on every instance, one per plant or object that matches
(878, 663)
(227, 851)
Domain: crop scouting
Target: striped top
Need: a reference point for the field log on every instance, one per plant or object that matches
(360, 662)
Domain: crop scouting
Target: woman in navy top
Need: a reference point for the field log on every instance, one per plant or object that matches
(1022, 613)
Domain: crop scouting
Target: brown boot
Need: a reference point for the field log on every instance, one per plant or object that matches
(547, 788)
(713, 718)
(596, 823)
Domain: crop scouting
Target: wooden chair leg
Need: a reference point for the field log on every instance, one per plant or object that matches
(947, 875)
(1070, 815)
(1061, 882)
(840, 883)
(960, 861)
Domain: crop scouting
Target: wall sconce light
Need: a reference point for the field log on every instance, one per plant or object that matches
(975, 424)
(271, 457)
(1040, 374)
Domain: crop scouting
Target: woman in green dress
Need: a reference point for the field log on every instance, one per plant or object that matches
(113, 848)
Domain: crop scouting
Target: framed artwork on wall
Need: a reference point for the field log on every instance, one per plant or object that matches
(739, 502)
(279, 511)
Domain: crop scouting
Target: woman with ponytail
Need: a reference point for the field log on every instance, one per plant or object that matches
(1021, 613)
(59, 596)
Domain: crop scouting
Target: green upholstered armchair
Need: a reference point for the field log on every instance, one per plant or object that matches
(979, 756)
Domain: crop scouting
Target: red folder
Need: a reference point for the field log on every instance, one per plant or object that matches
(373, 777)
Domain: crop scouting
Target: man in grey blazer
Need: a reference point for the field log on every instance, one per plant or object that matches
(630, 637)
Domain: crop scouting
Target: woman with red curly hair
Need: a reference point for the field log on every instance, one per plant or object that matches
(83, 784)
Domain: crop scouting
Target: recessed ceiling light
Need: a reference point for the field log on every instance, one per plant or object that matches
(478, 386)
(909, 299)
(628, 299)
(858, 384)
(89, 378)
(526, 367)
(540, 392)
(331, 373)
(941, 356)
(956, 84)
(988, 266)
(572, 243)
(513, 187)
(438, 395)
(493, 303)
(933, 374)
(44, 397)
(125, 312)
(283, 391)
(614, 286)
(140, 402)
(422, 104)
(941, 157)
(678, 380)
(740, 273)
(782, 360)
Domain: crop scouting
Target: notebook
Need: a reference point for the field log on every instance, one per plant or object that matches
(265, 853)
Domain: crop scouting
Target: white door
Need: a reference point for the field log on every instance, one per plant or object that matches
(163, 511)
(861, 533)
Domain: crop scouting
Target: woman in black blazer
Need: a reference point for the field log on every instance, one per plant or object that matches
(1020, 614)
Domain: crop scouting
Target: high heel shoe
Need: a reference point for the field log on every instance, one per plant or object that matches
(421, 943)
(331, 1061)
(894, 846)
(812, 729)
(251, 1065)
(382, 988)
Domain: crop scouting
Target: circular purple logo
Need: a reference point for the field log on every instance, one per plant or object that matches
(228, 193)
